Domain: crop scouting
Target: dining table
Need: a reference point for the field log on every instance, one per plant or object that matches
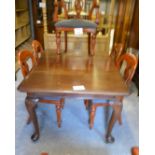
(69, 75)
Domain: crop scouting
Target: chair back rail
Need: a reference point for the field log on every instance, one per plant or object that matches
(23, 57)
(131, 64)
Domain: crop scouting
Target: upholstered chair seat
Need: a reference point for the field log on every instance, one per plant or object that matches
(76, 23)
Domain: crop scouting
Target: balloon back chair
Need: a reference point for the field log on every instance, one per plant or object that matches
(23, 57)
(129, 70)
(70, 25)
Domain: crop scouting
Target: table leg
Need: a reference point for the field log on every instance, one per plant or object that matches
(58, 41)
(117, 108)
(31, 110)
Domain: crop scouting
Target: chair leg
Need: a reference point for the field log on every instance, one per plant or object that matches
(86, 102)
(62, 102)
(58, 111)
(92, 116)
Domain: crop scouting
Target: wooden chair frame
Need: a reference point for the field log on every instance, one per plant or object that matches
(23, 56)
(132, 62)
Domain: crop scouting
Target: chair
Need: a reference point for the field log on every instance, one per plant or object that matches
(37, 49)
(131, 64)
(23, 56)
(135, 150)
(69, 25)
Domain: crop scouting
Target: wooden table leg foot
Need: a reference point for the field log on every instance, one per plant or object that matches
(109, 139)
(35, 137)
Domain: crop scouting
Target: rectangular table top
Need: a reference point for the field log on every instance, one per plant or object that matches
(57, 74)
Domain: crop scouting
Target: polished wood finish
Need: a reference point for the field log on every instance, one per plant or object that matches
(37, 49)
(131, 64)
(59, 73)
(23, 56)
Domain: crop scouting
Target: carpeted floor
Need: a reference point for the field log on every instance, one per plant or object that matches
(75, 137)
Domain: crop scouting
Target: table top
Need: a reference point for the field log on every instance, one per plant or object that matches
(57, 74)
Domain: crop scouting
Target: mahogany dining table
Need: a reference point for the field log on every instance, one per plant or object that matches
(55, 75)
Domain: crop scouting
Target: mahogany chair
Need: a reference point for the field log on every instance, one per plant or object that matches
(129, 70)
(69, 25)
(135, 150)
(37, 49)
(23, 57)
